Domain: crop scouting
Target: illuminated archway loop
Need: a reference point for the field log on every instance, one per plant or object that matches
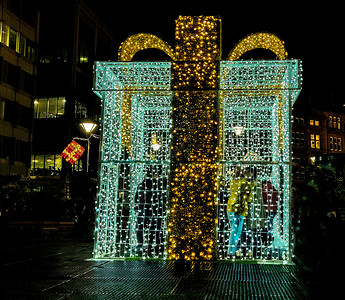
(253, 41)
(142, 41)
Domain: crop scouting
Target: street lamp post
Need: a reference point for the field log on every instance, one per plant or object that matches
(88, 126)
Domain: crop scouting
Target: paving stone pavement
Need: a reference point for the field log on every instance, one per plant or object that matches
(60, 268)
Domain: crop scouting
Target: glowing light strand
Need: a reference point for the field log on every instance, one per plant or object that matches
(263, 40)
(142, 41)
(207, 153)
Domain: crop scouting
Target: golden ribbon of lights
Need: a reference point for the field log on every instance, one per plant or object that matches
(263, 40)
(142, 41)
(193, 193)
(196, 142)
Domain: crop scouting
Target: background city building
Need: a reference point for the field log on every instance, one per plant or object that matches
(316, 132)
(71, 39)
(19, 31)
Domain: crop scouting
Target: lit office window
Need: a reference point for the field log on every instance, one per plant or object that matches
(46, 164)
(49, 107)
(314, 122)
(312, 140)
(335, 144)
(5, 32)
(338, 123)
(315, 141)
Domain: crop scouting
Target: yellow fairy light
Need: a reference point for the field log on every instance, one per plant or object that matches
(263, 40)
(178, 121)
(142, 41)
(195, 119)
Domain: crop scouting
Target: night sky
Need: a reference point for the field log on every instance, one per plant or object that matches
(312, 32)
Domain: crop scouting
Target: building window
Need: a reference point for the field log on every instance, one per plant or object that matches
(17, 41)
(299, 173)
(80, 110)
(330, 121)
(13, 41)
(315, 141)
(5, 32)
(335, 143)
(298, 139)
(46, 164)
(49, 107)
(299, 120)
(2, 109)
(10, 111)
(83, 55)
(302, 139)
(50, 165)
(7, 147)
(22, 151)
(338, 123)
(22, 45)
(317, 138)
(28, 83)
(312, 140)
(302, 173)
(13, 75)
(314, 122)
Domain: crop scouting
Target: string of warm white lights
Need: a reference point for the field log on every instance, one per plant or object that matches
(196, 157)
(263, 40)
(142, 41)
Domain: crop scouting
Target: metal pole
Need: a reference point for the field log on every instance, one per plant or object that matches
(88, 154)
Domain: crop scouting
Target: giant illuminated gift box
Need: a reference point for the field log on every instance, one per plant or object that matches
(177, 134)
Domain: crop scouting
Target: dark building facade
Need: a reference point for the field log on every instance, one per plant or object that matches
(72, 37)
(315, 132)
(19, 23)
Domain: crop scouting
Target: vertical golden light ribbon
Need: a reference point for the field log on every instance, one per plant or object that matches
(127, 50)
(270, 42)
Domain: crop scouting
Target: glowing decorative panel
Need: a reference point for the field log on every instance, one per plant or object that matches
(135, 159)
(255, 100)
(196, 156)
(259, 40)
(72, 152)
(194, 170)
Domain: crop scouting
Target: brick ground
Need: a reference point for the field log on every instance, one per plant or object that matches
(60, 268)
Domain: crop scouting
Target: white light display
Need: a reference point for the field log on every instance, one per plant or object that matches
(250, 173)
(257, 96)
(131, 208)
